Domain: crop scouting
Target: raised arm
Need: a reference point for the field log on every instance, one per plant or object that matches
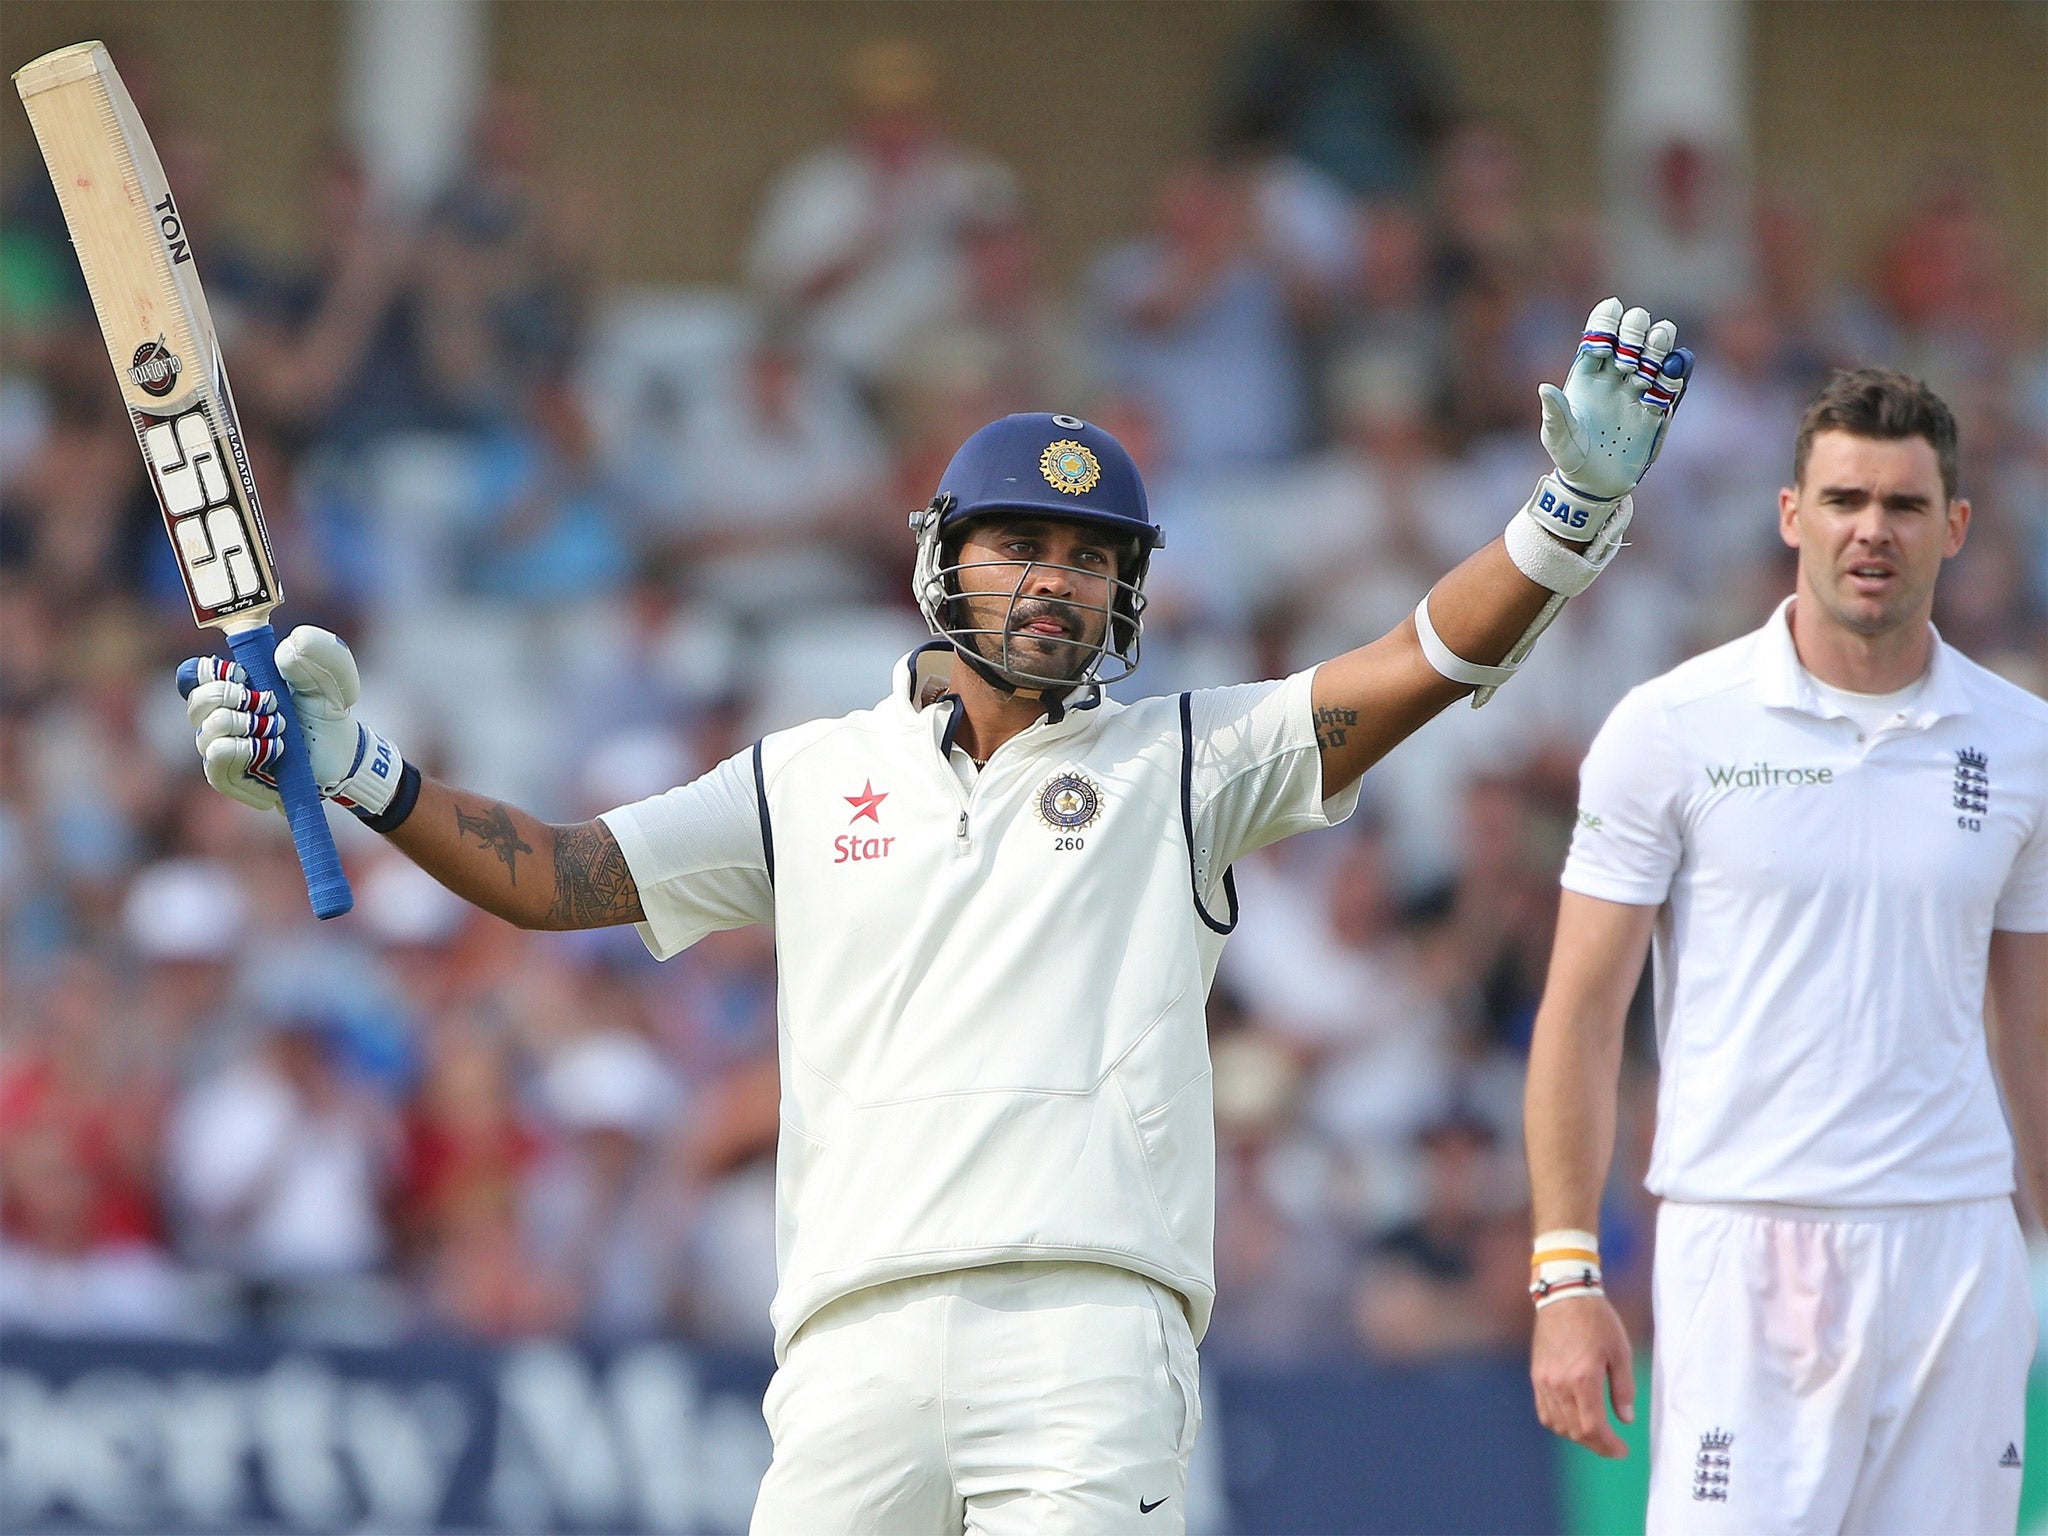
(1603, 429)
(1369, 700)
(493, 855)
(2018, 1018)
(1568, 1118)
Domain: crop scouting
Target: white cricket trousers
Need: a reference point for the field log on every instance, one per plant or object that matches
(1860, 1372)
(1014, 1399)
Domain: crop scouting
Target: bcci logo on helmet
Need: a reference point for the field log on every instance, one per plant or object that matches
(1068, 466)
(1069, 802)
(156, 368)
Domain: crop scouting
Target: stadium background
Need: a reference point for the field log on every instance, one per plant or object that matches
(559, 417)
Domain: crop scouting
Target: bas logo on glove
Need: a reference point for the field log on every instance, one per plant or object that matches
(1561, 511)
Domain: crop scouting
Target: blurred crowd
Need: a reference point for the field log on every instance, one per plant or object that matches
(588, 542)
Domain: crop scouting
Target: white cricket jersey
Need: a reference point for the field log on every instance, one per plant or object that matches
(1828, 900)
(993, 1041)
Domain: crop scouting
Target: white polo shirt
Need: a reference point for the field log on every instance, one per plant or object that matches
(1828, 901)
(993, 1035)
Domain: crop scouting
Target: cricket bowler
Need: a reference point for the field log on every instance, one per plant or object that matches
(1834, 831)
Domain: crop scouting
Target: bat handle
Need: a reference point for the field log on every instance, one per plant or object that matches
(318, 857)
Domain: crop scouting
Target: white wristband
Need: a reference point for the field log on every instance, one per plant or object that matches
(1565, 1262)
(1451, 665)
(1552, 1298)
(1533, 535)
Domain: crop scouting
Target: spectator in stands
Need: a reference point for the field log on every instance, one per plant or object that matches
(1283, 1261)
(278, 1163)
(80, 1104)
(1368, 523)
(1686, 246)
(548, 529)
(1822, 322)
(1485, 228)
(502, 280)
(1504, 909)
(463, 1140)
(1385, 305)
(1197, 322)
(1711, 500)
(1323, 962)
(62, 1269)
(183, 920)
(467, 1156)
(76, 508)
(335, 355)
(416, 927)
(784, 475)
(602, 1212)
(862, 240)
(1452, 1279)
(1347, 88)
(1944, 281)
(1011, 340)
(727, 1158)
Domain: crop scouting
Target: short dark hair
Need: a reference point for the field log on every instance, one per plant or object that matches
(1885, 404)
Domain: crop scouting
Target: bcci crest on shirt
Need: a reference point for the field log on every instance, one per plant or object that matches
(1069, 802)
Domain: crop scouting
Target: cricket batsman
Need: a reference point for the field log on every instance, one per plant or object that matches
(999, 898)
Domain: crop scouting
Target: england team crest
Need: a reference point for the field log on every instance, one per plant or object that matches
(1069, 802)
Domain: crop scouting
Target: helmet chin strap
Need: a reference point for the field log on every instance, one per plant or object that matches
(1052, 694)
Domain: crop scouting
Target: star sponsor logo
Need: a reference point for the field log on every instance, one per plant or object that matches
(867, 806)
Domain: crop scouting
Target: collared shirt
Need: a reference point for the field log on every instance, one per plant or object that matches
(992, 1031)
(1828, 896)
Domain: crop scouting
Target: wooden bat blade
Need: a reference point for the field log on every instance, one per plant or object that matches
(138, 267)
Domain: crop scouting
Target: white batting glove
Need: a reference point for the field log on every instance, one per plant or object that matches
(1602, 431)
(240, 733)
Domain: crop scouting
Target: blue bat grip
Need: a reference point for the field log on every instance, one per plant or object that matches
(318, 857)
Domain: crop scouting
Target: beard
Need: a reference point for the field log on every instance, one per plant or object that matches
(1062, 659)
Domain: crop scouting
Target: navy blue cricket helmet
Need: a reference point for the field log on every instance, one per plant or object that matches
(1037, 465)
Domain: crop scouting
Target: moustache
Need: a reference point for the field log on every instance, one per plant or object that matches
(1061, 614)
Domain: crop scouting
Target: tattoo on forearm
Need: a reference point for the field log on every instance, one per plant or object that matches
(1333, 724)
(593, 887)
(495, 831)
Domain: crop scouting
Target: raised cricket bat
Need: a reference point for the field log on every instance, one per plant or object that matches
(137, 260)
